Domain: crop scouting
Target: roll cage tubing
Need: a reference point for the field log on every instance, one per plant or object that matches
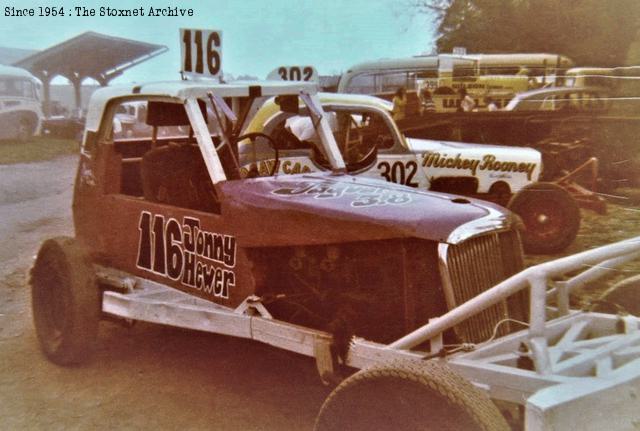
(229, 135)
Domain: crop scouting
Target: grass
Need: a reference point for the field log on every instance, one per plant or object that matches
(37, 149)
(621, 222)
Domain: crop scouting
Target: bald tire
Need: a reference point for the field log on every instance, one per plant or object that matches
(408, 396)
(66, 302)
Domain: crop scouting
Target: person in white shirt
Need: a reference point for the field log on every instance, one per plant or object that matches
(467, 104)
(491, 105)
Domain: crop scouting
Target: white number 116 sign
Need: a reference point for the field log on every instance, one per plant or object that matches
(201, 52)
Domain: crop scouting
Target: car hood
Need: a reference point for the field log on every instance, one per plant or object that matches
(326, 208)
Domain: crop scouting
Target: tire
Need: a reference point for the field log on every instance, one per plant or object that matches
(408, 396)
(66, 302)
(551, 217)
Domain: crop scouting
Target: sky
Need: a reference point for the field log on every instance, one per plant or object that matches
(257, 36)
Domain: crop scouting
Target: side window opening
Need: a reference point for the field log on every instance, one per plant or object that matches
(389, 82)
(17, 87)
(358, 134)
(157, 157)
(364, 83)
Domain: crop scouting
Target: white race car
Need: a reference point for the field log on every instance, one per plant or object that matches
(373, 146)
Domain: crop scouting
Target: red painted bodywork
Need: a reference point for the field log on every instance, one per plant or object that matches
(288, 210)
(323, 209)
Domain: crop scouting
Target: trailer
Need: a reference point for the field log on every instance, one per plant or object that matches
(566, 138)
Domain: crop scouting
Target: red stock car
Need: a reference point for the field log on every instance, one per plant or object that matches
(167, 231)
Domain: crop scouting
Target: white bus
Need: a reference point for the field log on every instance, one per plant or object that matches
(20, 105)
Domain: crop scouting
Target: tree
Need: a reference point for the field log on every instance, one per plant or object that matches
(591, 32)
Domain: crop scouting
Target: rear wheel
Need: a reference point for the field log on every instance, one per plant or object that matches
(408, 396)
(65, 302)
(551, 217)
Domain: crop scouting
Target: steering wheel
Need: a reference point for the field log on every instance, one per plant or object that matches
(272, 143)
(354, 149)
(353, 126)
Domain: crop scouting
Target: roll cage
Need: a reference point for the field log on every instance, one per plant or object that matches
(226, 110)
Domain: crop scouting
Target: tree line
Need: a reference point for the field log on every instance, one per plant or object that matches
(592, 32)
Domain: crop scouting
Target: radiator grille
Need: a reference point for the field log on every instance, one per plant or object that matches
(476, 265)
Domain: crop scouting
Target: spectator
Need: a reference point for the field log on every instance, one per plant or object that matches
(491, 105)
(426, 102)
(399, 104)
(467, 104)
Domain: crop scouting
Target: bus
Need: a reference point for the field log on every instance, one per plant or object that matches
(20, 105)
(620, 84)
(623, 80)
(498, 76)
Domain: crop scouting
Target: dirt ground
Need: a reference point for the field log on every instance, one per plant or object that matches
(144, 377)
(149, 376)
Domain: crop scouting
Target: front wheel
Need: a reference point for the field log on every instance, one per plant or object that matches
(550, 215)
(408, 396)
(65, 301)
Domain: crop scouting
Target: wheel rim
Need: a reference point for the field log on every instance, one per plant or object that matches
(545, 222)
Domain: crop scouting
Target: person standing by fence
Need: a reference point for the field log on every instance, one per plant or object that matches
(491, 104)
(399, 104)
(467, 104)
(427, 105)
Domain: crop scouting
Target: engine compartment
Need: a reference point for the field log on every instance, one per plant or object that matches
(378, 290)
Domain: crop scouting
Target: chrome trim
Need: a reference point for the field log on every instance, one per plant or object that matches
(494, 221)
(447, 284)
(469, 268)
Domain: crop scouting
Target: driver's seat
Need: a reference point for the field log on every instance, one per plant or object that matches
(175, 174)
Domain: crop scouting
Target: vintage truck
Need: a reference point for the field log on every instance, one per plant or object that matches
(20, 105)
(354, 272)
(373, 146)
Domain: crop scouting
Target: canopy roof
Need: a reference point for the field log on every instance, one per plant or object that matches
(92, 55)
(8, 55)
